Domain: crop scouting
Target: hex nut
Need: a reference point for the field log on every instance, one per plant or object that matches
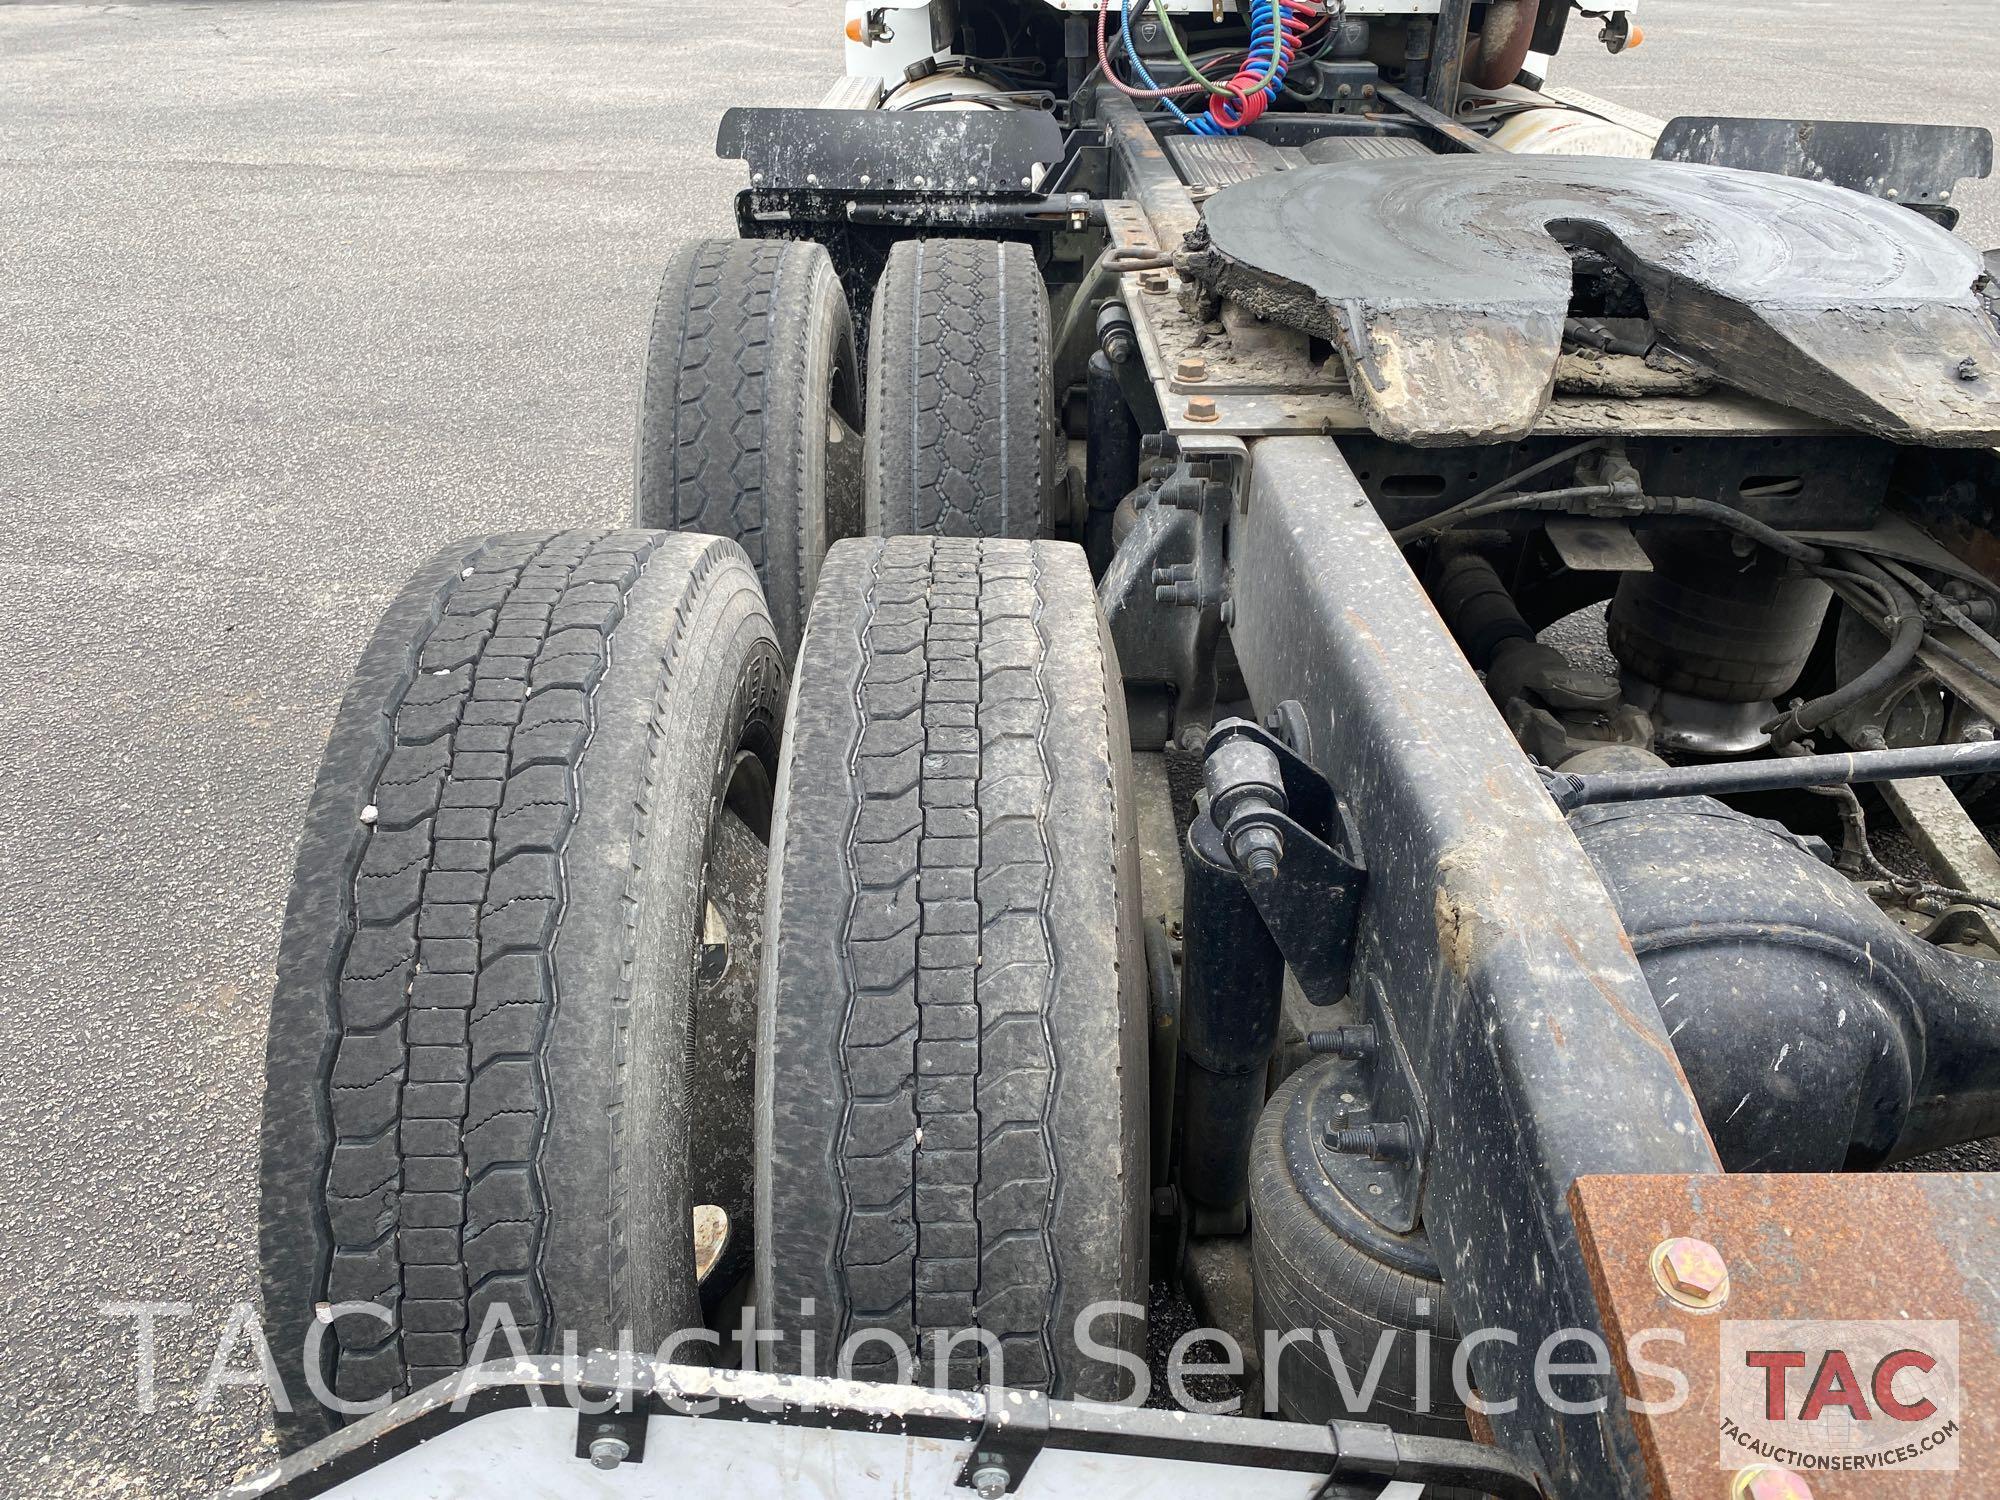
(1202, 409)
(1153, 281)
(1692, 1272)
(608, 1452)
(1191, 369)
(989, 1481)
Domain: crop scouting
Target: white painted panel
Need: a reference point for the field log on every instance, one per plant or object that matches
(531, 1453)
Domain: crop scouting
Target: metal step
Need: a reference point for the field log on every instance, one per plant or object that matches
(1211, 162)
(1362, 148)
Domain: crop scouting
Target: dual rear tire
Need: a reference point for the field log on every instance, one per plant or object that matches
(750, 412)
(750, 416)
(961, 397)
(951, 1112)
(497, 1045)
(509, 1050)
(479, 1083)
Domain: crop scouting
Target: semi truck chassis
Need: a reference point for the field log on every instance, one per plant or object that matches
(1384, 951)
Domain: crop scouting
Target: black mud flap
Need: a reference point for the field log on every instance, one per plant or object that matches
(988, 152)
(1919, 166)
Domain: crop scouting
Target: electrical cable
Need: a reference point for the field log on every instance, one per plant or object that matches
(1741, 522)
(1175, 45)
(1944, 606)
(1445, 519)
(1627, 504)
(1877, 595)
(1277, 27)
(1905, 640)
(1127, 259)
(1139, 66)
(1111, 74)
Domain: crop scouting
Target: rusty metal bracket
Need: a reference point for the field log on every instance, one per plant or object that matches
(1166, 592)
(1801, 1252)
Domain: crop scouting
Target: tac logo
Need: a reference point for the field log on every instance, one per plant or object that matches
(1840, 1397)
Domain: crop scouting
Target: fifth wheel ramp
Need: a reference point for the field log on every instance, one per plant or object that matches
(1443, 283)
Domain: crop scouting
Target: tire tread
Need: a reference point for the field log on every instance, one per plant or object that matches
(961, 396)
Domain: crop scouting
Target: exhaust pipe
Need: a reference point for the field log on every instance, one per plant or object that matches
(1504, 42)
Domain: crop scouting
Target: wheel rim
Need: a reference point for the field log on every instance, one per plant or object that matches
(721, 1059)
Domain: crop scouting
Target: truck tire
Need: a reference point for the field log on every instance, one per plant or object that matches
(477, 1083)
(961, 393)
(750, 415)
(952, 1082)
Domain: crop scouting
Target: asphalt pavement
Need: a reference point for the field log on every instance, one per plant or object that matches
(290, 296)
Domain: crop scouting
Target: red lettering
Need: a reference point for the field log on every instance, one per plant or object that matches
(1776, 1365)
(1884, 1385)
(1835, 1385)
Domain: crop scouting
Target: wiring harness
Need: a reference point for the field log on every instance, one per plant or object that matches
(1278, 31)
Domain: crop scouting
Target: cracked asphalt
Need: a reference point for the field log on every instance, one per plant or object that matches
(291, 295)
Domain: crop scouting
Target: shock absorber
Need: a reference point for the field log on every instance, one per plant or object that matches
(1277, 27)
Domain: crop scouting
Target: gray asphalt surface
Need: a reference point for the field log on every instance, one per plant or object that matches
(290, 295)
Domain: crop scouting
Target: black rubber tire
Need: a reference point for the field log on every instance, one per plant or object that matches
(476, 1090)
(952, 1081)
(1311, 1276)
(961, 393)
(752, 346)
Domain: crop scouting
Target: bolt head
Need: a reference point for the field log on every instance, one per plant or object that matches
(1202, 409)
(1191, 369)
(989, 1481)
(608, 1452)
(1153, 281)
(1767, 1483)
(1692, 1272)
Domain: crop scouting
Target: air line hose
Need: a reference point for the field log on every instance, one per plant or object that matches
(1277, 28)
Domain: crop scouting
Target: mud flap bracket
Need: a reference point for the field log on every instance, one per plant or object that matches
(1011, 1438)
